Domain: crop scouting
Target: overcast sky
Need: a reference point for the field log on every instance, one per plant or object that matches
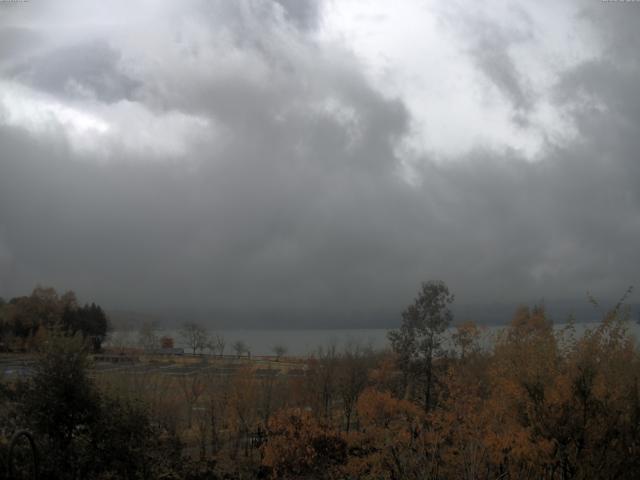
(299, 154)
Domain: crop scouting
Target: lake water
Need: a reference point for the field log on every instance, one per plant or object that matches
(262, 342)
(304, 342)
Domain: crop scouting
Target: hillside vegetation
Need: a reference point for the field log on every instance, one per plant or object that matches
(539, 403)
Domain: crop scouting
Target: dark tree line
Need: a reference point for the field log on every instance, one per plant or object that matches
(90, 321)
(24, 318)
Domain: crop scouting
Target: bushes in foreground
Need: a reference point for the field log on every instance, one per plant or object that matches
(540, 403)
(82, 432)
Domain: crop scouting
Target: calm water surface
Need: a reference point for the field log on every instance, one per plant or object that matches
(306, 342)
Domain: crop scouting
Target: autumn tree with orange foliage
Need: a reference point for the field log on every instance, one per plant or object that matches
(299, 447)
(466, 338)
(387, 445)
(538, 402)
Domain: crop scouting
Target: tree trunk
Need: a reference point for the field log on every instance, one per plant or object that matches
(428, 383)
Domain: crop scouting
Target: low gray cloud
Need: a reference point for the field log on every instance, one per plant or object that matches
(494, 60)
(17, 41)
(490, 44)
(294, 199)
(306, 14)
(86, 70)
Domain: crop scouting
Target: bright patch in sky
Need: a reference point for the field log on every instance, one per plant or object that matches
(425, 52)
(110, 128)
(39, 113)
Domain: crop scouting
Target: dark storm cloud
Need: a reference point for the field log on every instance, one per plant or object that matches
(297, 201)
(267, 220)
